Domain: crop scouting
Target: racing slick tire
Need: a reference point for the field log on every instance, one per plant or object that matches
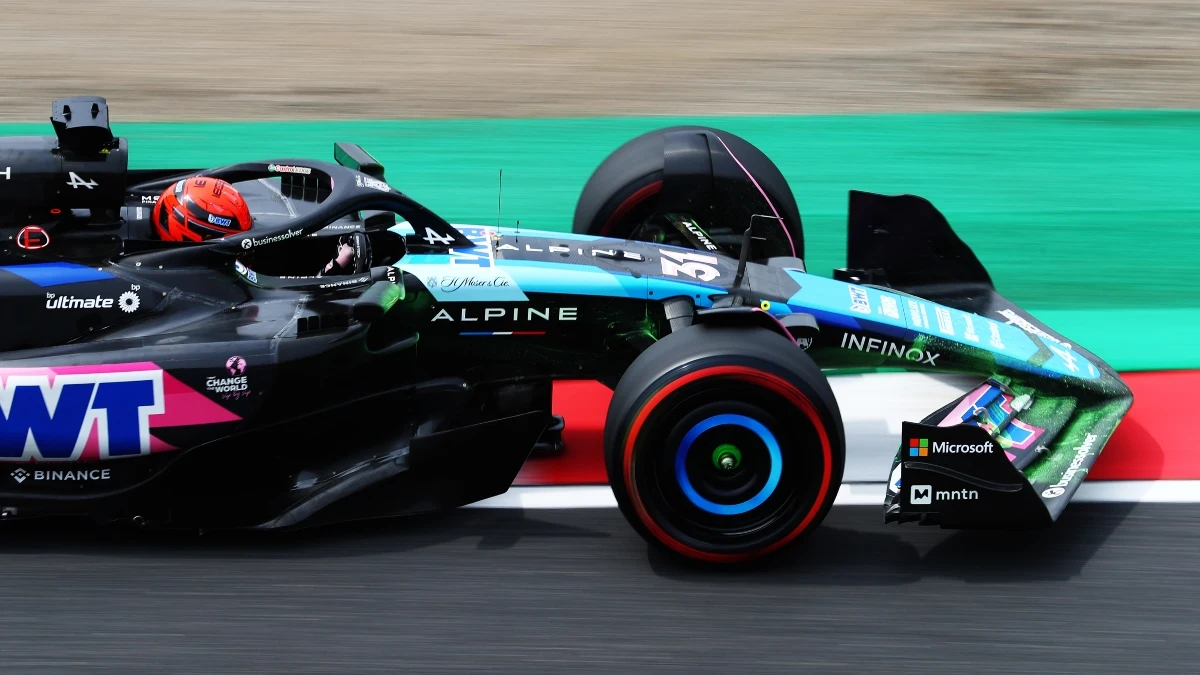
(724, 444)
(714, 176)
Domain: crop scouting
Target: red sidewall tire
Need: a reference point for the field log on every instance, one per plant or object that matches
(769, 363)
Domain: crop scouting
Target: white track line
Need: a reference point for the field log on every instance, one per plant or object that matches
(850, 494)
(873, 407)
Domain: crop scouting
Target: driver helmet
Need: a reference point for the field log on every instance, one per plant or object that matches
(200, 208)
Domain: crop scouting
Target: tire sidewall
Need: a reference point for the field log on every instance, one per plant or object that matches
(700, 349)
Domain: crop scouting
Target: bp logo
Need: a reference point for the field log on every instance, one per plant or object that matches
(129, 302)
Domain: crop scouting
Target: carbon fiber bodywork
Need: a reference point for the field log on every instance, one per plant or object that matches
(227, 384)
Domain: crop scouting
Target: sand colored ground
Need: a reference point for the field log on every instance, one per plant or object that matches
(251, 59)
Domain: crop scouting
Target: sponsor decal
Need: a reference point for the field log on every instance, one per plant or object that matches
(943, 448)
(945, 323)
(1082, 451)
(553, 248)
(492, 284)
(245, 271)
(392, 275)
(914, 311)
(859, 301)
(925, 494)
(995, 331)
(970, 333)
(889, 307)
(146, 199)
(346, 282)
(251, 242)
(1068, 358)
(32, 237)
(236, 385)
(481, 255)
(54, 301)
(338, 226)
(235, 365)
(1014, 319)
(609, 253)
(510, 314)
(374, 184)
(700, 235)
(284, 168)
(450, 284)
(40, 475)
(128, 302)
(891, 349)
(920, 447)
(694, 265)
(894, 482)
(228, 387)
(217, 220)
(49, 419)
(7, 173)
(921, 494)
(76, 182)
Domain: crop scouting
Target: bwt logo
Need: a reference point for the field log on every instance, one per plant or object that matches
(45, 421)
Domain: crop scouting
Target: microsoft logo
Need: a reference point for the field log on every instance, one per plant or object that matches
(918, 447)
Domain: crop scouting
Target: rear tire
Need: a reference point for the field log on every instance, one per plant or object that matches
(724, 444)
(626, 195)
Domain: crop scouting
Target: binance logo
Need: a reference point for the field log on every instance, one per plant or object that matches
(918, 447)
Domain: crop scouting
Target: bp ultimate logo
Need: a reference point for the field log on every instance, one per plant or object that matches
(54, 416)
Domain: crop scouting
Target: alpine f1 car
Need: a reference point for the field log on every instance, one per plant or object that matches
(224, 384)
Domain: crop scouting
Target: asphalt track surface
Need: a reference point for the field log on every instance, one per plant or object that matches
(1109, 589)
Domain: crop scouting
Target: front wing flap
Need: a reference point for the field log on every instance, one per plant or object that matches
(1002, 455)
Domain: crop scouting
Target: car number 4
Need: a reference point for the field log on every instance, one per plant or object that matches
(693, 265)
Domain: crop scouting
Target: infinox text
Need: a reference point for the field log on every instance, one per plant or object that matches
(865, 344)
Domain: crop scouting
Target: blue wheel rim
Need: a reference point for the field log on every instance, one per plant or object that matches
(764, 434)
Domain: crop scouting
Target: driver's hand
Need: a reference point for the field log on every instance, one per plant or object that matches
(345, 255)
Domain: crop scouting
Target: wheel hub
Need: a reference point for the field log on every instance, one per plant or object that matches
(727, 457)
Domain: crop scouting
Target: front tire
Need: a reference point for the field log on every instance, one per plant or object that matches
(713, 176)
(724, 444)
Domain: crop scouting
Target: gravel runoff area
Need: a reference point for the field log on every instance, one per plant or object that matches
(314, 59)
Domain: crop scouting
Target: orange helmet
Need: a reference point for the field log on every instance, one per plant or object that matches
(200, 208)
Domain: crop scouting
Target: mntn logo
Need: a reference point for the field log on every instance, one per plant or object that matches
(924, 494)
(46, 420)
(921, 494)
(918, 447)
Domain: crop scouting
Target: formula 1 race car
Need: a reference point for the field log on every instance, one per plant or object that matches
(224, 384)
